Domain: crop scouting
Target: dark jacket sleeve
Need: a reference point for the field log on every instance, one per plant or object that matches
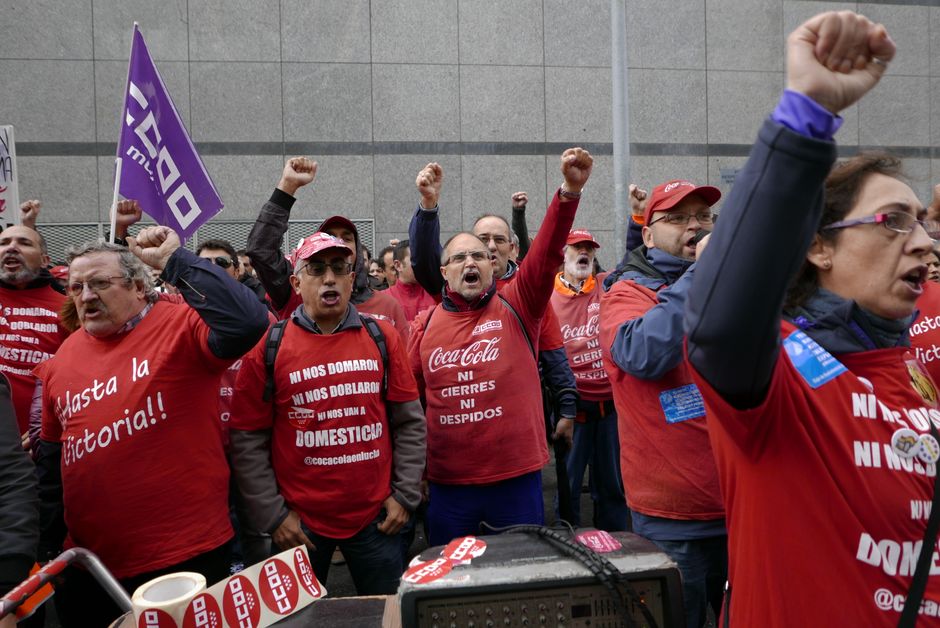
(235, 316)
(634, 239)
(19, 501)
(766, 227)
(264, 247)
(409, 449)
(634, 235)
(251, 465)
(424, 238)
(650, 345)
(521, 230)
(558, 376)
(52, 528)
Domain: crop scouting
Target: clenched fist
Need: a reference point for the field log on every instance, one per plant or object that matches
(836, 58)
(638, 200)
(298, 172)
(576, 166)
(154, 246)
(429, 182)
(29, 212)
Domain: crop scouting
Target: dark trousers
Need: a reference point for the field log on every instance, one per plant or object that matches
(597, 445)
(456, 510)
(703, 564)
(375, 559)
(249, 546)
(81, 602)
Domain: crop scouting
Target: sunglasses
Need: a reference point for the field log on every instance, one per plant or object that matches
(318, 269)
(223, 262)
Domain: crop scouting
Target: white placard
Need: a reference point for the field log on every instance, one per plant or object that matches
(9, 190)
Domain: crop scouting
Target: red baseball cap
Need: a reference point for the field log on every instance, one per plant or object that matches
(339, 221)
(581, 235)
(319, 241)
(671, 193)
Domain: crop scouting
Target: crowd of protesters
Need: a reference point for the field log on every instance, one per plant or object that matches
(764, 412)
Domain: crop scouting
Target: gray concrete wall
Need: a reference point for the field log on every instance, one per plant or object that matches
(374, 90)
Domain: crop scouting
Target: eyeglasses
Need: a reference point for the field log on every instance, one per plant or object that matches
(96, 285)
(224, 262)
(899, 222)
(682, 219)
(318, 269)
(461, 257)
(498, 239)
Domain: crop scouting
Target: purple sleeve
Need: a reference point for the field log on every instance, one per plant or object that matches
(802, 114)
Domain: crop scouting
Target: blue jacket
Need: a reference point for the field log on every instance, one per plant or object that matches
(650, 346)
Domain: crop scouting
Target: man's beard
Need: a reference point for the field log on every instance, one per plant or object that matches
(577, 271)
(19, 277)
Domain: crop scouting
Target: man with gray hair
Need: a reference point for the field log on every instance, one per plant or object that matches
(131, 462)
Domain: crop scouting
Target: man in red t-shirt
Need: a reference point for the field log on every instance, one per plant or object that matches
(577, 303)
(274, 271)
(30, 299)
(474, 357)
(412, 297)
(332, 455)
(131, 463)
(666, 460)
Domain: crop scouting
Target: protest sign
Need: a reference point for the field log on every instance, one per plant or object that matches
(9, 191)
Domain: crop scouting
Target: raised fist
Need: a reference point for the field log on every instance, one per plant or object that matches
(29, 212)
(128, 213)
(836, 58)
(638, 199)
(576, 166)
(154, 246)
(298, 172)
(429, 182)
(519, 200)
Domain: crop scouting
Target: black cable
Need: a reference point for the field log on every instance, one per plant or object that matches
(602, 569)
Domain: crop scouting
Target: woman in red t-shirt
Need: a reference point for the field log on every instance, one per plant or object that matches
(827, 450)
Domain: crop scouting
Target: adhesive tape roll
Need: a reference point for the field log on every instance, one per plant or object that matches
(162, 601)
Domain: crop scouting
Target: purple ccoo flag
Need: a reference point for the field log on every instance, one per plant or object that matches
(161, 168)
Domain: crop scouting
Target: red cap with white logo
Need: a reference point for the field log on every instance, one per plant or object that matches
(671, 193)
(576, 236)
(313, 244)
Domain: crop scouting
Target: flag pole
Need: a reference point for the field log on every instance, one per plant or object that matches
(114, 198)
(117, 160)
(14, 185)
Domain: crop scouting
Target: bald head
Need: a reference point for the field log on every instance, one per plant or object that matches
(22, 255)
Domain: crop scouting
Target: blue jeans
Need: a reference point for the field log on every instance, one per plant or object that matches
(456, 510)
(375, 559)
(597, 444)
(703, 564)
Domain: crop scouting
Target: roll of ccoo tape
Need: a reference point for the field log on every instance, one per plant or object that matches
(162, 602)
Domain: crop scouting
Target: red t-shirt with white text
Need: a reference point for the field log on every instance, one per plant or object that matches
(144, 476)
(579, 315)
(482, 390)
(925, 332)
(825, 520)
(29, 334)
(331, 444)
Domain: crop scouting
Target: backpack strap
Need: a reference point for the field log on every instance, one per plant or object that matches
(427, 319)
(521, 325)
(271, 345)
(379, 338)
